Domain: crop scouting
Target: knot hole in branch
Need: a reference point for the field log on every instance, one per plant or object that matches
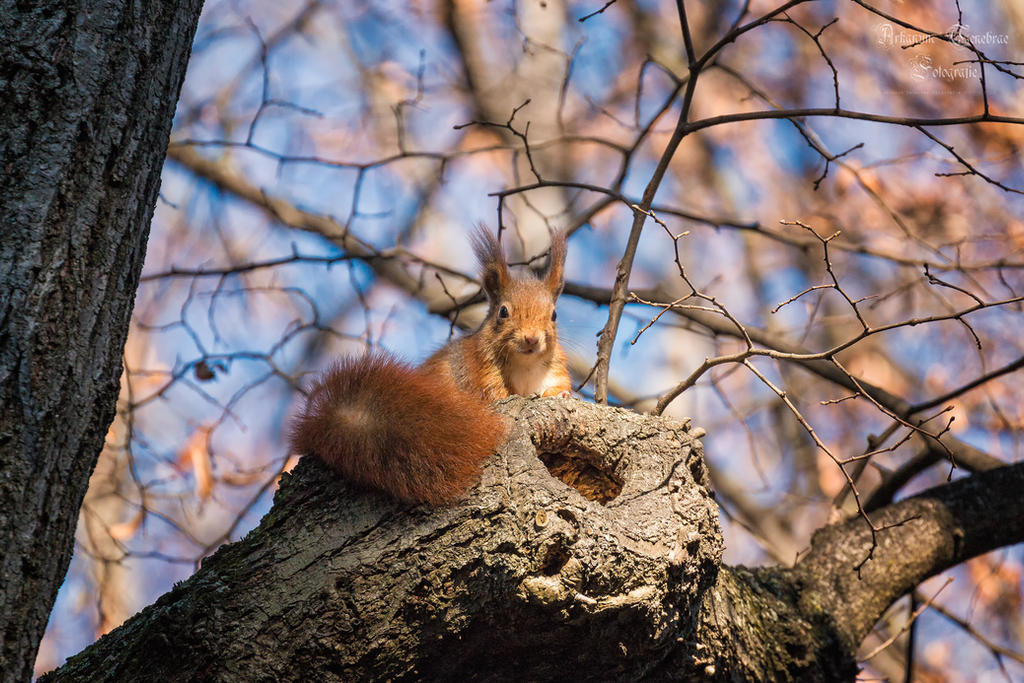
(585, 471)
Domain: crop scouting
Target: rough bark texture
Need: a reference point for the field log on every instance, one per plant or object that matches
(922, 536)
(88, 95)
(616, 577)
(525, 577)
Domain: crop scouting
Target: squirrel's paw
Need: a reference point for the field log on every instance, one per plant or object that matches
(549, 393)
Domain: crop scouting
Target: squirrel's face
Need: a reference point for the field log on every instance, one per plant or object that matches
(522, 320)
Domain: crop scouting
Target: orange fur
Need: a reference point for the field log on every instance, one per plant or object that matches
(518, 353)
(422, 434)
(386, 425)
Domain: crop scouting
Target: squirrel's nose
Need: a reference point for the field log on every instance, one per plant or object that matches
(531, 339)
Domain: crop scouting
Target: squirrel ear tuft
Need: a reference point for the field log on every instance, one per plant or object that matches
(554, 277)
(494, 270)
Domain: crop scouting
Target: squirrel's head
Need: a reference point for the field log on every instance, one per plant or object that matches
(521, 317)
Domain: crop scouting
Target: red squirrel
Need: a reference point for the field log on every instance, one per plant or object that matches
(422, 434)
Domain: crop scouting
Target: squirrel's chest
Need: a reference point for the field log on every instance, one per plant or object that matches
(528, 377)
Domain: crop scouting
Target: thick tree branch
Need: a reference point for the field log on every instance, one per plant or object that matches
(89, 91)
(526, 573)
(613, 576)
(928, 534)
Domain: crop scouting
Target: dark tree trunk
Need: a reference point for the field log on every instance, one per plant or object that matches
(527, 579)
(87, 94)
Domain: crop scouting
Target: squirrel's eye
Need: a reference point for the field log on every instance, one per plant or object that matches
(554, 316)
(503, 312)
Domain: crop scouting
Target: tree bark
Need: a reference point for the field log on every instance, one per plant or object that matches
(615, 576)
(88, 96)
(525, 575)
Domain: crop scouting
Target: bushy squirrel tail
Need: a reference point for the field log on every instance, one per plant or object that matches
(387, 425)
